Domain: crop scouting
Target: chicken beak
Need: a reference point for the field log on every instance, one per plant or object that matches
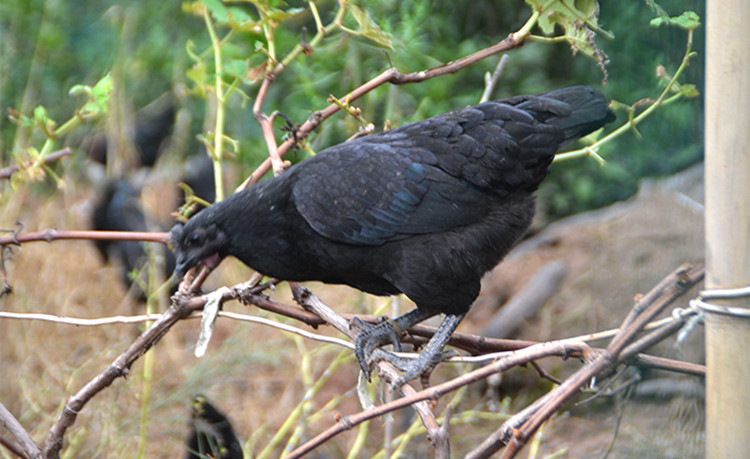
(182, 268)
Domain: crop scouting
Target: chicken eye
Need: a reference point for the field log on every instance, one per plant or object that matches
(194, 239)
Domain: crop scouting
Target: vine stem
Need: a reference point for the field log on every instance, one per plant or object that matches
(218, 150)
(661, 101)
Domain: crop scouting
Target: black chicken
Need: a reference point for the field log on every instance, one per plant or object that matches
(119, 209)
(424, 209)
(151, 133)
(211, 434)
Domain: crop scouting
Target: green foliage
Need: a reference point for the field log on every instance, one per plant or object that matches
(668, 142)
(687, 20)
(578, 19)
(98, 97)
(412, 36)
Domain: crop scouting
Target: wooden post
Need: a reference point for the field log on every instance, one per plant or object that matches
(728, 225)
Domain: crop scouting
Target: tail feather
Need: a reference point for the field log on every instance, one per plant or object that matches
(578, 110)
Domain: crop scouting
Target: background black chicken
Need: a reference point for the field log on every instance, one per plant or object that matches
(211, 434)
(425, 209)
(150, 135)
(119, 209)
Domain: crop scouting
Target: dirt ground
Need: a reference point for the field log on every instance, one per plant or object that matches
(259, 375)
(611, 255)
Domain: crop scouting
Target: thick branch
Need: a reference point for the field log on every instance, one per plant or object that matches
(23, 438)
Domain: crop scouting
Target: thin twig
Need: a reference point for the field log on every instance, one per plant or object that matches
(7, 172)
(53, 235)
(491, 81)
(312, 303)
(266, 125)
(661, 363)
(618, 420)
(392, 76)
(516, 432)
(554, 348)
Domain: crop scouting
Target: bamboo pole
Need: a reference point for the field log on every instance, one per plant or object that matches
(728, 226)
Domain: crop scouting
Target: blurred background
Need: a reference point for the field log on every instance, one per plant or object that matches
(126, 164)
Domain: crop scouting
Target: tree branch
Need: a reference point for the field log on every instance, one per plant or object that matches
(518, 430)
(23, 438)
(248, 293)
(120, 367)
(392, 76)
(520, 357)
(7, 172)
(53, 235)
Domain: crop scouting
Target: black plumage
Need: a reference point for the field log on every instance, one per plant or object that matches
(151, 133)
(199, 176)
(119, 208)
(424, 209)
(211, 434)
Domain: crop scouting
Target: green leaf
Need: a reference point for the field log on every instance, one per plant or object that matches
(217, 9)
(236, 68)
(589, 8)
(80, 89)
(238, 19)
(578, 20)
(98, 97)
(43, 121)
(689, 91)
(198, 75)
(277, 16)
(40, 114)
(370, 30)
(103, 89)
(688, 20)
